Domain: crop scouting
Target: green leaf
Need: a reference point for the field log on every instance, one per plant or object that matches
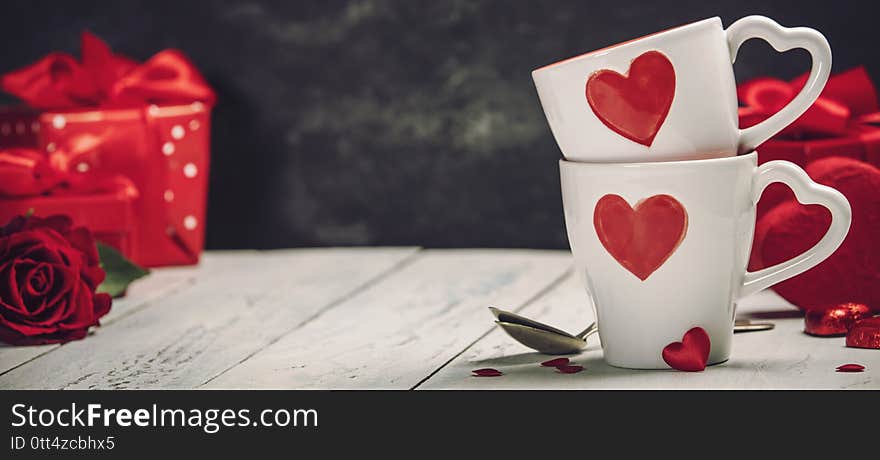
(120, 271)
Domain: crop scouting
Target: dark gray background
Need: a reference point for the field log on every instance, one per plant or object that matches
(396, 122)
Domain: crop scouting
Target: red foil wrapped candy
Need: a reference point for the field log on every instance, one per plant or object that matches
(865, 333)
(835, 320)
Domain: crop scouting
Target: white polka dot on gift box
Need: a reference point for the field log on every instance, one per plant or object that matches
(190, 170)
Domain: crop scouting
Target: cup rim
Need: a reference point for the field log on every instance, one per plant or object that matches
(660, 164)
(702, 22)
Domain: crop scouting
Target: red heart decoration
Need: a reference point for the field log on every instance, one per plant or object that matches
(556, 362)
(850, 368)
(640, 238)
(852, 273)
(569, 369)
(691, 353)
(634, 105)
(487, 372)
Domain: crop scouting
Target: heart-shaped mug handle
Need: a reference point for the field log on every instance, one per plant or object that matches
(807, 192)
(781, 39)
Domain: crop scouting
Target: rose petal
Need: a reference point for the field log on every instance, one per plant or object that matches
(39, 245)
(82, 313)
(25, 329)
(555, 362)
(36, 252)
(103, 302)
(81, 238)
(569, 369)
(93, 276)
(58, 222)
(35, 301)
(40, 338)
(850, 368)
(65, 281)
(487, 372)
(10, 297)
(14, 225)
(39, 280)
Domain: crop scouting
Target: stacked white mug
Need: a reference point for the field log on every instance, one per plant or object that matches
(659, 184)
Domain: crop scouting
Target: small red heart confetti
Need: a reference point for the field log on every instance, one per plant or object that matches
(569, 369)
(850, 368)
(865, 333)
(556, 362)
(487, 372)
(834, 319)
(691, 353)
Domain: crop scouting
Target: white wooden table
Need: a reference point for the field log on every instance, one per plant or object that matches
(388, 318)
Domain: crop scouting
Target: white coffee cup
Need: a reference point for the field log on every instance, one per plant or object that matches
(663, 247)
(670, 95)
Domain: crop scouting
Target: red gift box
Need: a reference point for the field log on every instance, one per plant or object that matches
(837, 141)
(844, 121)
(108, 215)
(148, 122)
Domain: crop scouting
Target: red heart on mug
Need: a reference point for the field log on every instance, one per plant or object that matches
(691, 354)
(643, 237)
(634, 105)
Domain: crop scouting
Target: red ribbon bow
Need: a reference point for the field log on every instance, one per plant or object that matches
(28, 172)
(105, 79)
(848, 98)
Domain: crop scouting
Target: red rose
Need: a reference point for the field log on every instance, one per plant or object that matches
(48, 275)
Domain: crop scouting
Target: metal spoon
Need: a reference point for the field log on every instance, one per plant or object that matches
(541, 337)
(549, 340)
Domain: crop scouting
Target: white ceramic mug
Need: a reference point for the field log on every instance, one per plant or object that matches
(663, 247)
(670, 95)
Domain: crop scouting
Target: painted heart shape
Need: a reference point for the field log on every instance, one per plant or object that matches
(634, 105)
(642, 238)
(691, 354)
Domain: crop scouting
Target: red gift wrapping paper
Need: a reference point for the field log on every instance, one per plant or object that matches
(844, 121)
(148, 122)
(837, 141)
(109, 216)
(164, 150)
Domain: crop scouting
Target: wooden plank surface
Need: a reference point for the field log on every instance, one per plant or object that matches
(783, 358)
(141, 294)
(236, 305)
(399, 330)
(388, 318)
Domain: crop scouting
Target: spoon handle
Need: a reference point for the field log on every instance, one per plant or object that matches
(592, 328)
